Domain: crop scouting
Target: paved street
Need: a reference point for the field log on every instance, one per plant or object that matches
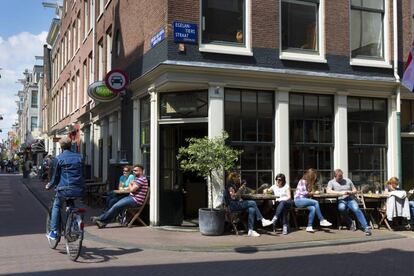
(24, 250)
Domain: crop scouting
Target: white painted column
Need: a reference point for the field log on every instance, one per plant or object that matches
(105, 136)
(96, 160)
(119, 136)
(136, 150)
(341, 133)
(281, 152)
(392, 154)
(154, 174)
(215, 128)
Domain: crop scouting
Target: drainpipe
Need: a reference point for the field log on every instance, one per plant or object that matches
(398, 88)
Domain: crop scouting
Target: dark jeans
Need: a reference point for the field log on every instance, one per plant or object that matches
(117, 208)
(113, 198)
(250, 206)
(282, 208)
(351, 204)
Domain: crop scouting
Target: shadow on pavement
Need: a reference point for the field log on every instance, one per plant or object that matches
(382, 262)
(101, 255)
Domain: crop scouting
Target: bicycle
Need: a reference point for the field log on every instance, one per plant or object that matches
(70, 226)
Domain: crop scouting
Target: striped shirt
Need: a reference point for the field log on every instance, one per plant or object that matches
(301, 190)
(140, 194)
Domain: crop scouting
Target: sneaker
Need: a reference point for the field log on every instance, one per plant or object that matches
(253, 233)
(285, 229)
(310, 229)
(94, 219)
(325, 223)
(353, 226)
(274, 220)
(52, 235)
(368, 232)
(100, 224)
(266, 222)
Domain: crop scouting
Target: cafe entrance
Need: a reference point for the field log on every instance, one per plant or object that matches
(181, 193)
(407, 153)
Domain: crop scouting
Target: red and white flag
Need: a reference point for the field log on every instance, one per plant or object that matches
(408, 77)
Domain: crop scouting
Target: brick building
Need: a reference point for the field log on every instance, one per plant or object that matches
(296, 83)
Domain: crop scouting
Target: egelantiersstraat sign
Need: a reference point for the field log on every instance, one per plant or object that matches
(185, 32)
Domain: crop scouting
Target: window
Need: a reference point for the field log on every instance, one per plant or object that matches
(184, 105)
(145, 133)
(33, 123)
(100, 60)
(108, 50)
(225, 27)
(118, 43)
(35, 100)
(249, 117)
(369, 34)
(407, 116)
(367, 142)
(85, 81)
(90, 66)
(78, 31)
(302, 30)
(86, 17)
(101, 6)
(77, 92)
(311, 135)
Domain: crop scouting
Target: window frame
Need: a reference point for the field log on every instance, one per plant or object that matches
(306, 56)
(228, 49)
(384, 62)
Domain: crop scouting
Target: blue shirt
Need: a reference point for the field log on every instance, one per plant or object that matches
(125, 183)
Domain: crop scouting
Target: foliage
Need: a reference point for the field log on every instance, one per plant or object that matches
(204, 155)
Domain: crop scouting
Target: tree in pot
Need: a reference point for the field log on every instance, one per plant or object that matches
(206, 156)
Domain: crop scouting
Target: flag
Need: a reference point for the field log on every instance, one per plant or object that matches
(408, 77)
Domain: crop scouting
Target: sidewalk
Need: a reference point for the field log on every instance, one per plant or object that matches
(159, 238)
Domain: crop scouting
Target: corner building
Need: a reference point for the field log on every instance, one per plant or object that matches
(296, 84)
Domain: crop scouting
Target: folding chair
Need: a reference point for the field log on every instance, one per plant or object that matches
(134, 213)
(368, 211)
(234, 218)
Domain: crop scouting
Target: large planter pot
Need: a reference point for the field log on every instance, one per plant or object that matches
(211, 221)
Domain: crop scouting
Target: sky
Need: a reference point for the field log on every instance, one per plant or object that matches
(23, 29)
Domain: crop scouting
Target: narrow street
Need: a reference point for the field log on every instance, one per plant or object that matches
(24, 251)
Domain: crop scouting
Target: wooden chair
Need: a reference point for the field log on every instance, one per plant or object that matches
(368, 211)
(383, 218)
(133, 214)
(234, 218)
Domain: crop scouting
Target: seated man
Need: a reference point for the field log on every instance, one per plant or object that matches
(347, 190)
(138, 191)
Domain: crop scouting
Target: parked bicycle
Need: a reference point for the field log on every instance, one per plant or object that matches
(70, 224)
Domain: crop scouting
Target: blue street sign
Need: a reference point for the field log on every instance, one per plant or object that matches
(185, 32)
(158, 38)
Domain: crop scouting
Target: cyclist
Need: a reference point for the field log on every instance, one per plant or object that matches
(67, 178)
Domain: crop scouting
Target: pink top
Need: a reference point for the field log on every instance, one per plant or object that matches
(301, 190)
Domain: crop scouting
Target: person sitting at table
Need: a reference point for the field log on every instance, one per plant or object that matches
(346, 201)
(123, 185)
(397, 204)
(138, 191)
(304, 190)
(283, 202)
(232, 197)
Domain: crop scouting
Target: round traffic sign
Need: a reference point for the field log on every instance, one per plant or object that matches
(116, 80)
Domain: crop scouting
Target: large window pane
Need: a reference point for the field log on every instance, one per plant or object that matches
(184, 105)
(367, 30)
(224, 22)
(299, 25)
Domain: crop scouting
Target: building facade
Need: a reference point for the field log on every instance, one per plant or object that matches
(295, 83)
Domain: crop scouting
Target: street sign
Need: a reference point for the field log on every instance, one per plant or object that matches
(116, 80)
(160, 36)
(101, 93)
(185, 32)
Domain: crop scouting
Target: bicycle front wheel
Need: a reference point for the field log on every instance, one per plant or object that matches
(74, 236)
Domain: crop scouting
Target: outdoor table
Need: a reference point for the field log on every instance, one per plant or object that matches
(121, 192)
(259, 196)
(378, 201)
(263, 200)
(326, 197)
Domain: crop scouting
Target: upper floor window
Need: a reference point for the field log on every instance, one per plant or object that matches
(302, 30)
(225, 26)
(34, 102)
(369, 34)
(33, 123)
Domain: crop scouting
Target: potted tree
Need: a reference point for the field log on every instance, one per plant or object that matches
(209, 157)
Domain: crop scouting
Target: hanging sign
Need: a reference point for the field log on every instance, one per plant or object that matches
(99, 92)
(116, 80)
(185, 32)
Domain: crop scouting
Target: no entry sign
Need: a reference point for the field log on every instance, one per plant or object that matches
(116, 80)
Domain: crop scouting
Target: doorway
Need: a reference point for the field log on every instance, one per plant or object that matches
(407, 153)
(181, 193)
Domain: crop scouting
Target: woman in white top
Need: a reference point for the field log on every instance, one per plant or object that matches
(284, 201)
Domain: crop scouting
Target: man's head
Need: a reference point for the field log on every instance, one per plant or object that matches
(138, 170)
(65, 143)
(339, 175)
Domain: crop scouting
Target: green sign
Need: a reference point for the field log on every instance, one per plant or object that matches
(99, 92)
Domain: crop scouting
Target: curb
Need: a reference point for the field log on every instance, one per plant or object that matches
(224, 249)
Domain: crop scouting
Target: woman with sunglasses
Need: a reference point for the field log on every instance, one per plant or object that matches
(283, 202)
(123, 185)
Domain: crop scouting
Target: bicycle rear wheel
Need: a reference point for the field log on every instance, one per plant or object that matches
(52, 243)
(74, 236)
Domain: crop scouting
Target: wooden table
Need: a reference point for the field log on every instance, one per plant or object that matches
(259, 197)
(326, 197)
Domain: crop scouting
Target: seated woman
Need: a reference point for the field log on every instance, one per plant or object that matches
(304, 190)
(397, 204)
(235, 203)
(282, 190)
(124, 180)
